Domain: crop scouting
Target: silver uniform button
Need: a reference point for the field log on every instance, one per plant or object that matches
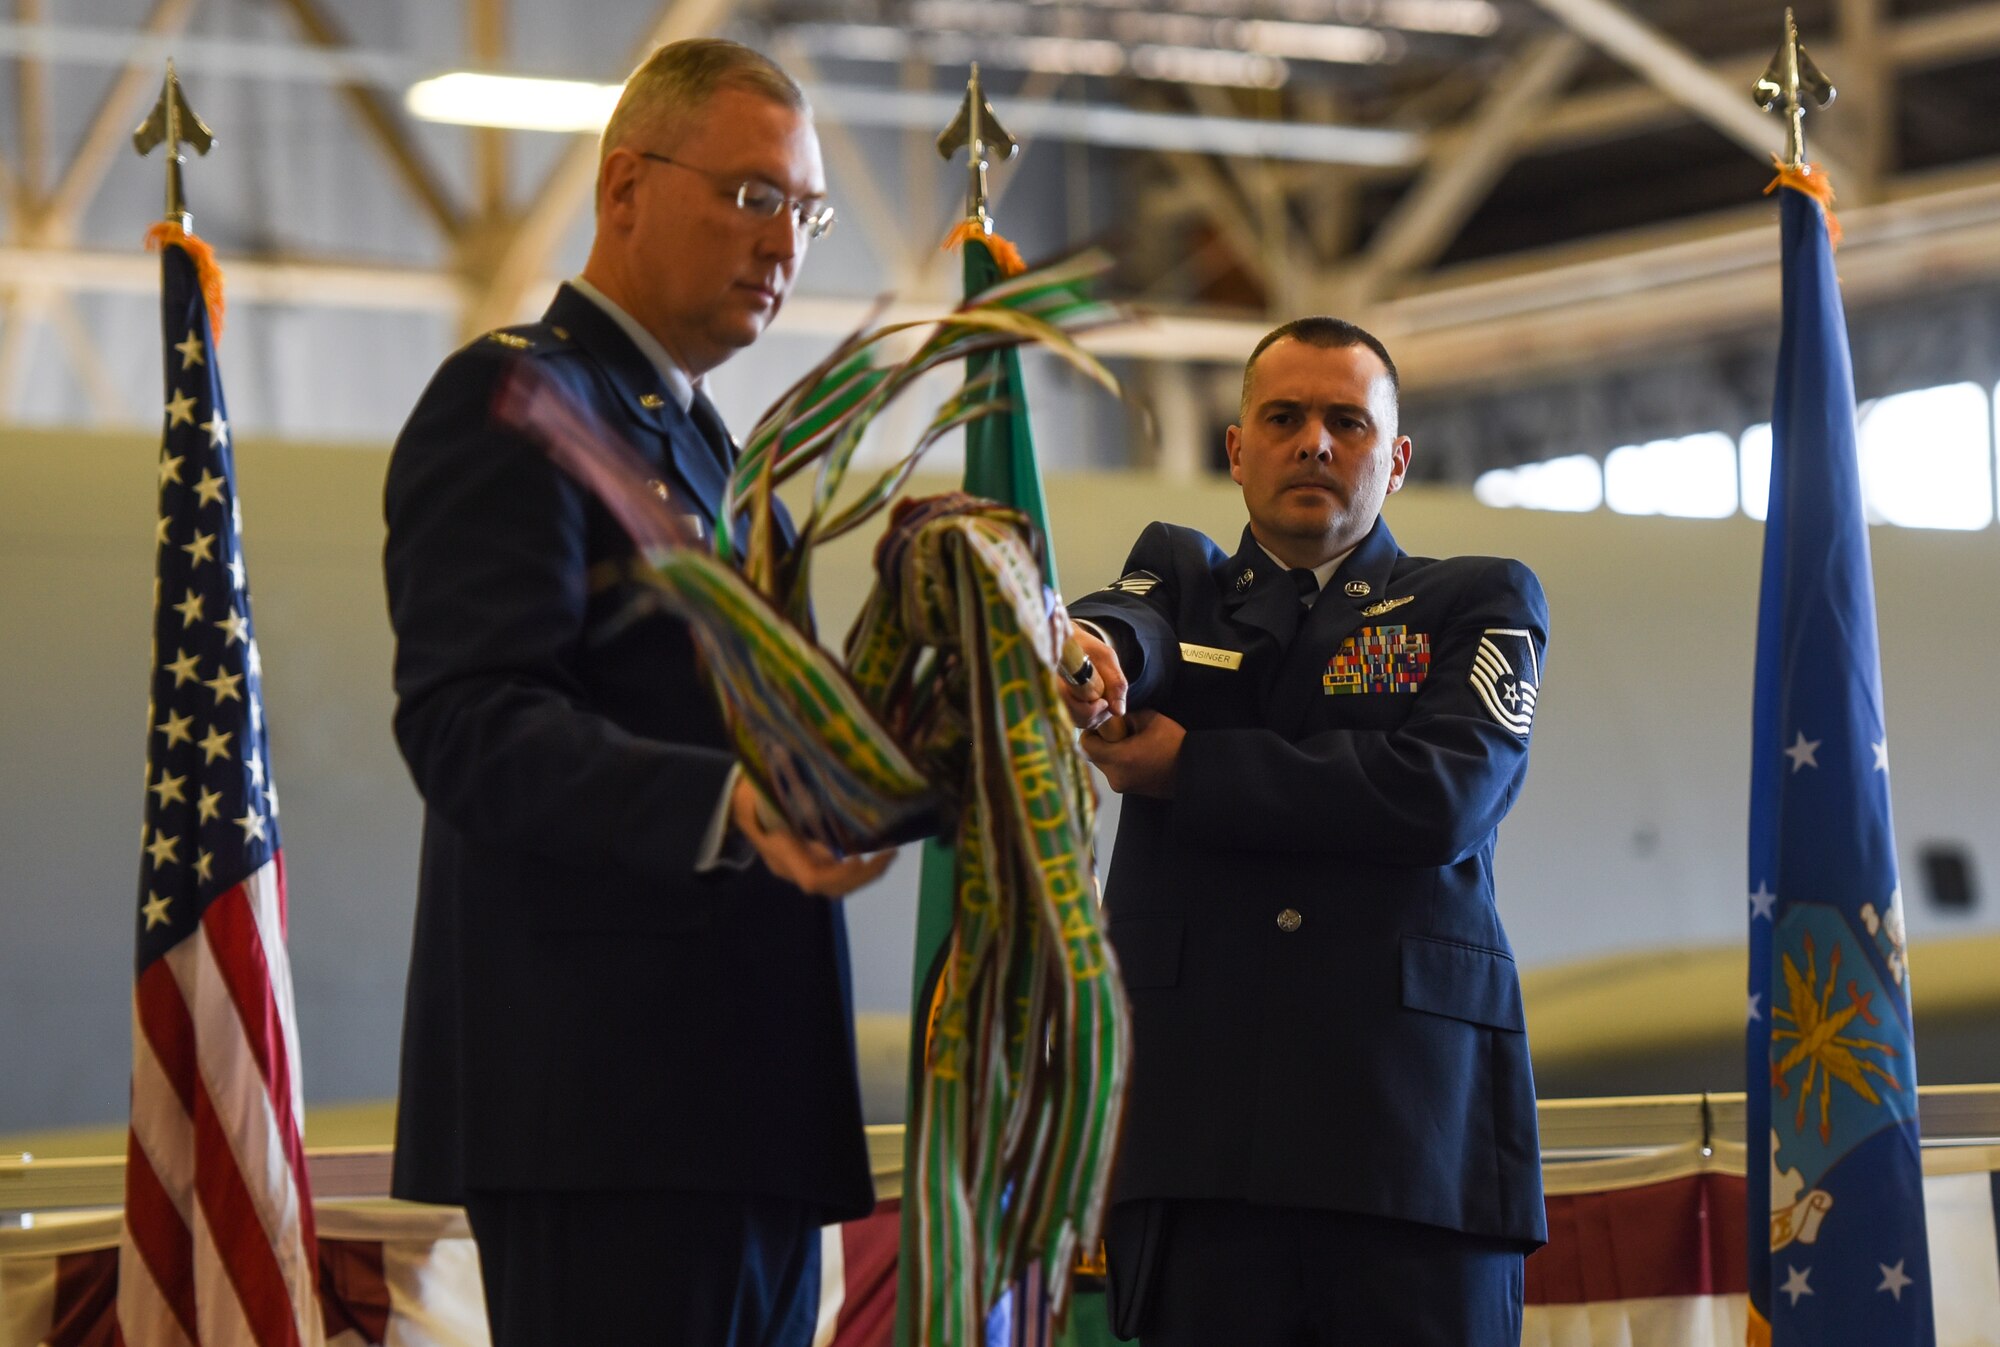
(1289, 920)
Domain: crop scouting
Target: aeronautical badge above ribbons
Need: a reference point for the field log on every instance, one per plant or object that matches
(1136, 583)
(1505, 675)
(1379, 659)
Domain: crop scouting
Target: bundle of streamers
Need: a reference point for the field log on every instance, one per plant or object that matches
(1025, 1061)
(947, 712)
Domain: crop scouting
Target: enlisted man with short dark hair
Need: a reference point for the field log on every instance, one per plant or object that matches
(628, 1047)
(1331, 1133)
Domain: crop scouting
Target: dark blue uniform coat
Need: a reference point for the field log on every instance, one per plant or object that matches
(1325, 1006)
(584, 1010)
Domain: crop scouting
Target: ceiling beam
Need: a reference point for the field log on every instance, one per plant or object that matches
(58, 218)
(385, 126)
(106, 398)
(857, 183)
(1437, 205)
(1584, 305)
(13, 203)
(1668, 66)
(1971, 33)
(26, 308)
(486, 44)
(1867, 87)
(31, 97)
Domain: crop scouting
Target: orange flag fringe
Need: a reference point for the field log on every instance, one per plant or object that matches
(1005, 254)
(1812, 180)
(206, 267)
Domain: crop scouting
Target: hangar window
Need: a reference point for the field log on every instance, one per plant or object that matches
(1573, 483)
(1926, 459)
(1693, 477)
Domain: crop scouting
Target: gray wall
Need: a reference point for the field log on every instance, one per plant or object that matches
(1630, 834)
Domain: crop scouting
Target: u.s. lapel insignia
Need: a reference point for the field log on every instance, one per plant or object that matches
(1357, 589)
(1505, 674)
(1135, 583)
(652, 402)
(1379, 659)
(1386, 606)
(1243, 580)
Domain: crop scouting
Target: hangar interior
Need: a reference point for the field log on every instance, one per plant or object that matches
(1550, 211)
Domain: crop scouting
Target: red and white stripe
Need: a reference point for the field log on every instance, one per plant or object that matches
(218, 1246)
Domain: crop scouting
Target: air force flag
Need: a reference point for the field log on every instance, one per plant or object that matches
(1832, 1076)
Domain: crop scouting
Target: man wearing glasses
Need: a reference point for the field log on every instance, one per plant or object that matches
(627, 1045)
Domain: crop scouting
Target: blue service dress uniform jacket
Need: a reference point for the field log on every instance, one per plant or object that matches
(584, 1010)
(1325, 1007)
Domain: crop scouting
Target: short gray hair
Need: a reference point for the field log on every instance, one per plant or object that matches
(672, 84)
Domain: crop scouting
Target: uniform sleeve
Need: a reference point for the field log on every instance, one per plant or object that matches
(1136, 615)
(1426, 793)
(487, 580)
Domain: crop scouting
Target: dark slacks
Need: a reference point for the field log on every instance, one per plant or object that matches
(1211, 1272)
(669, 1269)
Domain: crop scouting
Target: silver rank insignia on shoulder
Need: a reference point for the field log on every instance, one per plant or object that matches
(1504, 677)
(1386, 606)
(1357, 589)
(513, 339)
(1136, 582)
(1243, 580)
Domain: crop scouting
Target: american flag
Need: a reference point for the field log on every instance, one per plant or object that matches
(218, 1244)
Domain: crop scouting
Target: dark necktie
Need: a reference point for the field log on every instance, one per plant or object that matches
(709, 422)
(1306, 582)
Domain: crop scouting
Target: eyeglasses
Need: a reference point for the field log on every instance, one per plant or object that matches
(758, 198)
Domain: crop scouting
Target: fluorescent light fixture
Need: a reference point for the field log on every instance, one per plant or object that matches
(467, 98)
(1209, 65)
(1315, 41)
(1460, 18)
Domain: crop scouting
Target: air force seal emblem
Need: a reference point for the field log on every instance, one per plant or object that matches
(1505, 676)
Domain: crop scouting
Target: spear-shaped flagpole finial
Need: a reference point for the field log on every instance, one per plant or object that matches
(978, 132)
(173, 123)
(1785, 86)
